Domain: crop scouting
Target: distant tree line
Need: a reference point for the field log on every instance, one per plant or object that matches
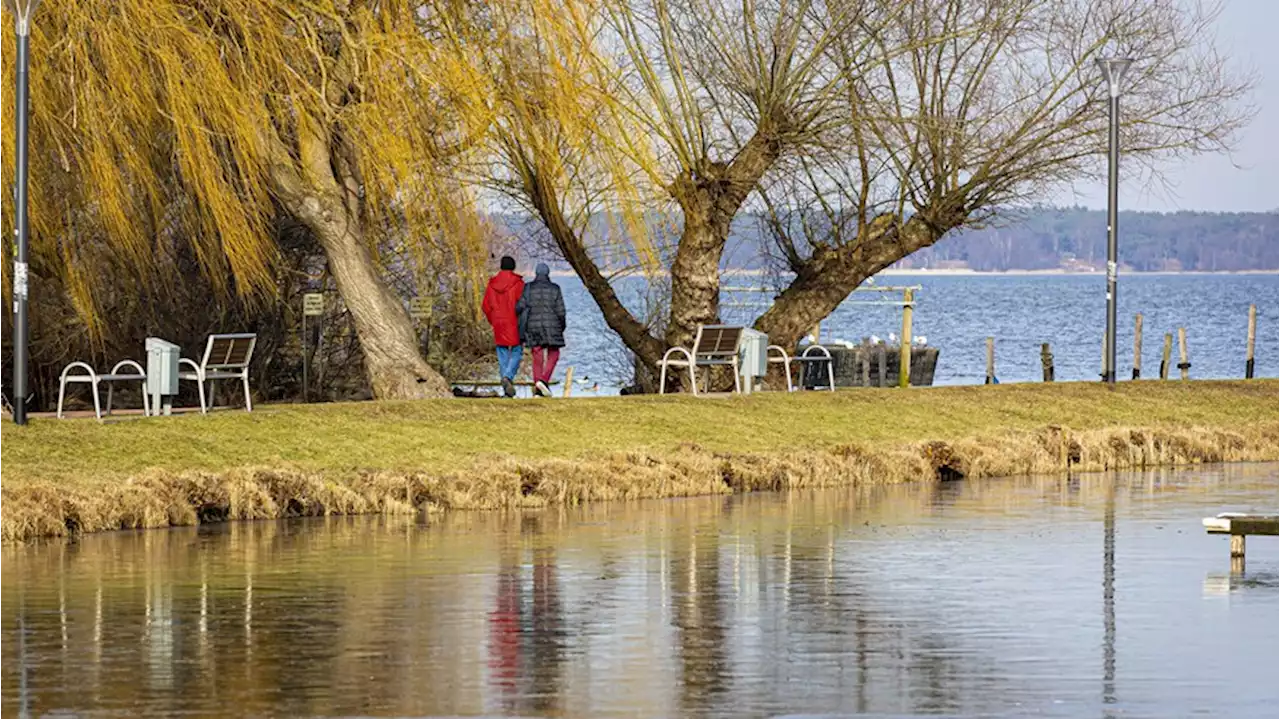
(1076, 238)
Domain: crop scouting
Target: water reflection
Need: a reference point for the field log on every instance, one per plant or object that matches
(967, 598)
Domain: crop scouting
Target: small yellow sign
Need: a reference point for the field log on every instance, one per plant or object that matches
(312, 304)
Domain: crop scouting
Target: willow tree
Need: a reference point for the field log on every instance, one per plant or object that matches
(960, 132)
(212, 117)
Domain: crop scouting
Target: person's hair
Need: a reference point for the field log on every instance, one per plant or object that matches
(508, 263)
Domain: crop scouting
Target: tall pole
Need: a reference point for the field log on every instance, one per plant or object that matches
(20, 330)
(1113, 70)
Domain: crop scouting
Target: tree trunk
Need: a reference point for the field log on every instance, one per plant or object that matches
(392, 362)
(830, 274)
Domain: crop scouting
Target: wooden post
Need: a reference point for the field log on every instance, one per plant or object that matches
(1164, 356)
(991, 360)
(1237, 545)
(1248, 352)
(1137, 346)
(1103, 372)
(881, 365)
(904, 359)
(568, 380)
(1046, 362)
(1183, 365)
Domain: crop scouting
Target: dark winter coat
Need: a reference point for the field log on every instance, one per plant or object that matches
(500, 299)
(541, 311)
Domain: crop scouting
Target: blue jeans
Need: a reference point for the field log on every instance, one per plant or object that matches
(509, 361)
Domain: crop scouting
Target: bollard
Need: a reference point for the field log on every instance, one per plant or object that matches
(1046, 362)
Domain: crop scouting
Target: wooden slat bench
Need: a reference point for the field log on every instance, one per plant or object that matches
(714, 345)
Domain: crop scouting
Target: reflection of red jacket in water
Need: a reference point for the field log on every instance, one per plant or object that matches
(499, 307)
(504, 628)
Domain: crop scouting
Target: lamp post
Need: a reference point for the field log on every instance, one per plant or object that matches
(1113, 69)
(22, 11)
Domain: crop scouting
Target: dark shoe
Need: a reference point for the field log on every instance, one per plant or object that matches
(541, 389)
(507, 388)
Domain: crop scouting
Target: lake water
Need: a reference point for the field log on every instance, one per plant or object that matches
(1096, 595)
(957, 314)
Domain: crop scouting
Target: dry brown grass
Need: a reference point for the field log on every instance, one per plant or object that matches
(164, 497)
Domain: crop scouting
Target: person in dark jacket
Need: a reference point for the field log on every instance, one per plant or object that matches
(541, 313)
(499, 305)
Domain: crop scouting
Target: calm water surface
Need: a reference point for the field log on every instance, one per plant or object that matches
(957, 314)
(1098, 595)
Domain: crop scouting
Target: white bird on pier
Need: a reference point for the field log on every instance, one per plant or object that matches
(893, 339)
(875, 340)
(922, 341)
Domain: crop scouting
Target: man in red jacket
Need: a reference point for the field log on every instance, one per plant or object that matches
(499, 306)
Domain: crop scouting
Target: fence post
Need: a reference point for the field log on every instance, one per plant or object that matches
(991, 360)
(1046, 362)
(904, 358)
(1248, 353)
(1165, 356)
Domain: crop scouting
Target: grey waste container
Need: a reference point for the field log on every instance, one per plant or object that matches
(753, 362)
(162, 373)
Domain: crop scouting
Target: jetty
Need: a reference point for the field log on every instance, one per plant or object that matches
(1239, 526)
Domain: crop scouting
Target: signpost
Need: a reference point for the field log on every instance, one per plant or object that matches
(312, 306)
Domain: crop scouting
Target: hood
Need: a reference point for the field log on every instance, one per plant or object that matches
(543, 272)
(505, 280)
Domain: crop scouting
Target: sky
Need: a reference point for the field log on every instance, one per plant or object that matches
(1249, 33)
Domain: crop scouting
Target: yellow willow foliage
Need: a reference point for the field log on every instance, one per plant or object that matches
(562, 116)
(176, 117)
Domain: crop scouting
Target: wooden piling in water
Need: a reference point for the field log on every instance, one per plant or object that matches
(1137, 346)
(1248, 352)
(904, 356)
(1183, 365)
(1164, 356)
(991, 360)
(1103, 372)
(1046, 362)
(882, 365)
(568, 381)
(866, 369)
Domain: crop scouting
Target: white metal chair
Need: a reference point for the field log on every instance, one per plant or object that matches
(816, 353)
(784, 359)
(225, 357)
(714, 345)
(93, 379)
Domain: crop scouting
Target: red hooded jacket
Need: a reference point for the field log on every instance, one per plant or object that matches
(499, 306)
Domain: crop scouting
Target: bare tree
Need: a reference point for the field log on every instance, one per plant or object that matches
(950, 133)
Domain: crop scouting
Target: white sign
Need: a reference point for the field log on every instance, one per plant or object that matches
(420, 308)
(20, 280)
(312, 304)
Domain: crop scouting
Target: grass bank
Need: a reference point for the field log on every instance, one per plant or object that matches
(64, 477)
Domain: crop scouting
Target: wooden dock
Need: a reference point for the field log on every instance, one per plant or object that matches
(1239, 526)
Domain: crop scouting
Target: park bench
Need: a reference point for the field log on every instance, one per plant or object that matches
(713, 346)
(93, 379)
(225, 357)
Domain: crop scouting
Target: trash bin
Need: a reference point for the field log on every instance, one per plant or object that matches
(753, 360)
(162, 374)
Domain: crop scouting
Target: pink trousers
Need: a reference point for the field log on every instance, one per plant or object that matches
(544, 362)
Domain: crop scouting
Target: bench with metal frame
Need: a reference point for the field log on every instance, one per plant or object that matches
(713, 346)
(93, 379)
(225, 357)
(812, 353)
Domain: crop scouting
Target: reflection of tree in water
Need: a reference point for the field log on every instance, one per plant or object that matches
(699, 618)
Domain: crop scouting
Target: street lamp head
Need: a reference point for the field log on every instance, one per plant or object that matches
(22, 11)
(1113, 69)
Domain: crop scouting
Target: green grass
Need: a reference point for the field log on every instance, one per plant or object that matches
(450, 435)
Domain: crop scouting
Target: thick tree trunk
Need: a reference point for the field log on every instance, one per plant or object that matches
(392, 362)
(709, 200)
(830, 274)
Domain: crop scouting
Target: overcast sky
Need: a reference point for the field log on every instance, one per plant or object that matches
(1249, 31)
